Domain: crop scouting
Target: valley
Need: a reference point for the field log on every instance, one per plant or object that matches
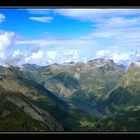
(89, 96)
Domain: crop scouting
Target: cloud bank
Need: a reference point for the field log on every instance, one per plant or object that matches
(115, 35)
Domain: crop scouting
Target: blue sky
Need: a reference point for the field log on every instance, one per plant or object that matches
(46, 36)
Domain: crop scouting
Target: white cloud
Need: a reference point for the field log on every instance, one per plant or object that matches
(16, 53)
(16, 58)
(120, 57)
(60, 43)
(103, 53)
(93, 14)
(62, 56)
(52, 54)
(2, 18)
(6, 41)
(68, 56)
(90, 14)
(115, 56)
(19, 57)
(35, 57)
(59, 50)
(42, 19)
(117, 22)
(117, 34)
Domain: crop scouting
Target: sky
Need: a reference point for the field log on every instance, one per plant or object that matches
(47, 36)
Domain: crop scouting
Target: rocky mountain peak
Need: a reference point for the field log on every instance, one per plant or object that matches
(98, 63)
(7, 65)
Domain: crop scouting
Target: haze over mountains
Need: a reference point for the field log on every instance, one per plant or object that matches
(78, 96)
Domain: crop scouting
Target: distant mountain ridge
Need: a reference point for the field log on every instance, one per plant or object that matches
(83, 84)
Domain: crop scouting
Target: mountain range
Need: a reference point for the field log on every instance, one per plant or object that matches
(98, 95)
